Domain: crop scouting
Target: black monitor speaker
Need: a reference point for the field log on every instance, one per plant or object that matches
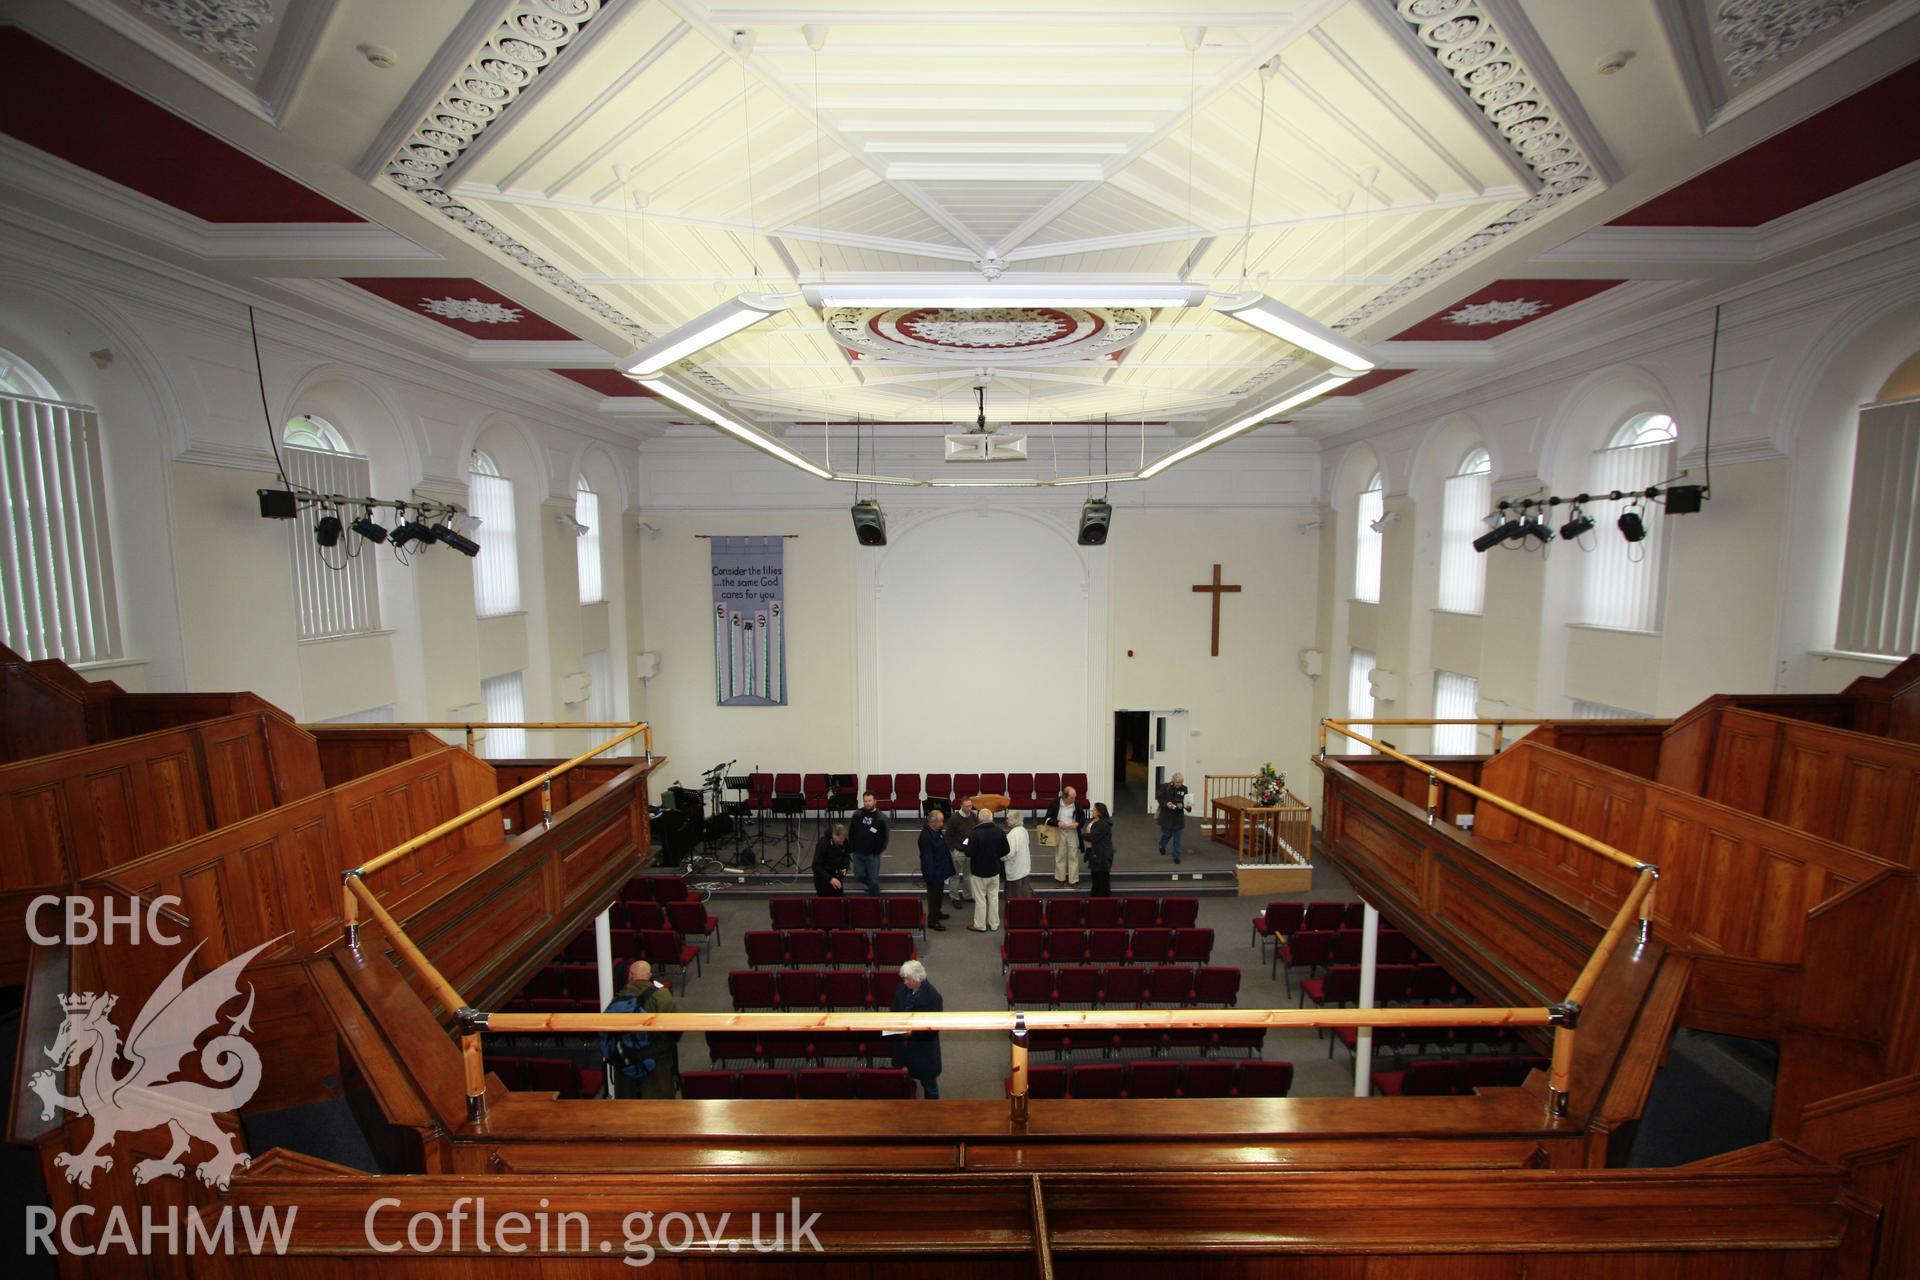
(278, 504)
(869, 523)
(1096, 517)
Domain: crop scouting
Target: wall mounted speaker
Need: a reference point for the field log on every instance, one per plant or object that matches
(1096, 518)
(869, 523)
(278, 504)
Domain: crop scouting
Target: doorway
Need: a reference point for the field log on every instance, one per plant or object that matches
(1149, 747)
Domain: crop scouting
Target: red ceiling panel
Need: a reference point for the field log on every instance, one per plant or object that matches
(466, 305)
(1851, 142)
(1368, 381)
(1501, 307)
(68, 110)
(608, 382)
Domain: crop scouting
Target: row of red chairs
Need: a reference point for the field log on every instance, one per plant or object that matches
(1250, 1040)
(858, 948)
(904, 792)
(1388, 1040)
(1315, 949)
(857, 911)
(812, 989)
(806, 1082)
(1392, 984)
(816, 1047)
(687, 918)
(1123, 987)
(656, 888)
(1160, 1078)
(560, 1076)
(664, 949)
(1447, 1077)
(1281, 919)
(1106, 946)
(1070, 912)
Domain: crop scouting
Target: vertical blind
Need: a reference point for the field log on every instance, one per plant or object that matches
(1366, 544)
(1360, 698)
(334, 592)
(1455, 697)
(586, 509)
(496, 570)
(1463, 571)
(1880, 576)
(1584, 710)
(56, 574)
(505, 700)
(1623, 578)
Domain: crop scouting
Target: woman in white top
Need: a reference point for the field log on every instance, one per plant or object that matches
(1018, 863)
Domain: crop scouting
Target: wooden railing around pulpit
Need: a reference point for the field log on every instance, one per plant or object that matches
(1279, 835)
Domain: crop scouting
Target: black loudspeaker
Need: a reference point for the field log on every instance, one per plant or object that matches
(1684, 499)
(1095, 519)
(278, 504)
(869, 523)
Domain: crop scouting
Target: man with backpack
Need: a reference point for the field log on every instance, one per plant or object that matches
(642, 1064)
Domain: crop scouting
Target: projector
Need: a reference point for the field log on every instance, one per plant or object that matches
(983, 446)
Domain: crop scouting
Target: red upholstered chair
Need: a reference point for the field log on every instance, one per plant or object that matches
(1258, 1078)
(690, 920)
(1308, 949)
(665, 952)
(1250, 1039)
(881, 784)
(845, 989)
(1152, 1079)
(827, 913)
(1339, 985)
(882, 1082)
(1432, 985)
(881, 984)
(1057, 1043)
(814, 787)
(1025, 913)
(1432, 1079)
(1066, 913)
(512, 1072)
(1150, 946)
(1020, 790)
(892, 948)
(993, 784)
(695, 1085)
(1122, 986)
(1216, 984)
(823, 1082)
(1104, 913)
(1392, 984)
(1107, 946)
(1066, 946)
(799, 989)
(669, 888)
(1023, 946)
(1347, 945)
(766, 1084)
(1502, 1071)
(1140, 913)
(1169, 985)
(964, 785)
(732, 1046)
(1179, 913)
(906, 911)
(1272, 925)
(851, 949)
(1096, 1080)
(1078, 781)
(640, 915)
(786, 784)
(1207, 1079)
(1047, 1082)
(1355, 916)
(1139, 1040)
(1397, 948)
(1192, 946)
(1046, 789)
(1030, 988)
(1325, 915)
(752, 989)
(864, 911)
(789, 913)
(939, 786)
(906, 793)
(581, 950)
(809, 947)
(766, 949)
(1076, 985)
(760, 791)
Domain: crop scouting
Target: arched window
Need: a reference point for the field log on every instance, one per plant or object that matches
(1622, 588)
(1880, 569)
(1366, 545)
(334, 588)
(1465, 499)
(496, 570)
(586, 511)
(56, 571)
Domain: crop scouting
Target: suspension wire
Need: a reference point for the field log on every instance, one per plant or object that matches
(753, 199)
(1253, 183)
(819, 180)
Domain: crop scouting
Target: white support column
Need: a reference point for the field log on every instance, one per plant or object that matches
(1363, 1045)
(603, 954)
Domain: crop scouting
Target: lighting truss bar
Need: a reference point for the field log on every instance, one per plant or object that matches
(1113, 477)
(733, 426)
(858, 477)
(725, 320)
(987, 484)
(1312, 390)
(1288, 325)
(1002, 295)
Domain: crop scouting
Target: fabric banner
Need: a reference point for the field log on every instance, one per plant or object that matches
(749, 622)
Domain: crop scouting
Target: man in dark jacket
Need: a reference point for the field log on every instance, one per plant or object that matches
(642, 1064)
(868, 840)
(831, 858)
(986, 846)
(1174, 807)
(918, 1051)
(936, 867)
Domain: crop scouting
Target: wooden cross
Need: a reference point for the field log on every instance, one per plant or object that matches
(1214, 589)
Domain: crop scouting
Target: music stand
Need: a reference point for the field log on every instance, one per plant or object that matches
(740, 808)
(843, 792)
(789, 805)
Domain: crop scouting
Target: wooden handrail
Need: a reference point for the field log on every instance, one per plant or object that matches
(404, 945)
(1033, 1020)
(470, 725)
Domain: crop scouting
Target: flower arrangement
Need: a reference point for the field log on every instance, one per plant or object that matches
(1269, 787)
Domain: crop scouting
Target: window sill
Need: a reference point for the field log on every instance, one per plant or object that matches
(1362, 600)
(350, 635)
(1461, 613)
(596, 600)
(510, 613)
(1616, 631)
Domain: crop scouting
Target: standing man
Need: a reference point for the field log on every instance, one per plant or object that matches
(1174, 808)
(960, 825)
(642, 1064)
(831, 858)
(1100, 851)
(936, 867)
(918, 1051)
(1068, 815)
(868, 841)
(986, 851)
(1019, 862)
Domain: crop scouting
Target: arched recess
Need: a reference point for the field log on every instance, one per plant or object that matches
(93, 355)
(1592, 410)
(981, 639)
(1451, 642)
(608, 626)
(1866, 348)
(375, 421)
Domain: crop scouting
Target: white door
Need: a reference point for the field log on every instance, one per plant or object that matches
(1166, 752)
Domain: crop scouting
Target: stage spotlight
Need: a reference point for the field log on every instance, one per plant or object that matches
(1536, 526)
(459, 542)
(1632, 527)
(869, 523)
(1573, 528)
(327, 531)
(1096, 518)
(1488, 541)
(366, 528)
(411, 531)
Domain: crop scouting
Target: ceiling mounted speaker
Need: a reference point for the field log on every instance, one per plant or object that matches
(977, 446)
(869, 524)
(1096, 518)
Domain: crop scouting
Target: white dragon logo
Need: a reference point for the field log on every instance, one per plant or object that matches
(145, 1096)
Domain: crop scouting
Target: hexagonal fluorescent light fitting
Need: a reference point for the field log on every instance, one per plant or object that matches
(733, 426)
(1288, 325)
(1292, 400)
(725, 320)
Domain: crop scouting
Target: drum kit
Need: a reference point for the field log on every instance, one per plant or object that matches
(696, 826)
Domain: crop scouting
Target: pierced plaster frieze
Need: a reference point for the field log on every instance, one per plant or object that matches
(223, 29)
(1757, 32)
